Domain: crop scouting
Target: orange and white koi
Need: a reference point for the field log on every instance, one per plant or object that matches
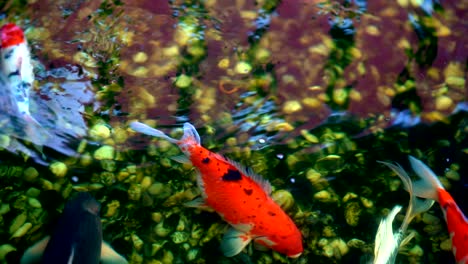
(430, 187)
(239, 196)
(16, 67)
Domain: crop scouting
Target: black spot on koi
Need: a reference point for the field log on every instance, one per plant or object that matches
(206, 160)
(232, 175)
(248, 191)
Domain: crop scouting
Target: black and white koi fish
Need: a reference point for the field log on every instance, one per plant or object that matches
(77, 237)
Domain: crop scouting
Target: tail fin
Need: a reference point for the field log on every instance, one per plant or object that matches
(416, 206)
(427, 186)
(147, 130)
(386, 242)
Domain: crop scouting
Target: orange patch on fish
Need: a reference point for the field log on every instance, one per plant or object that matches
(10, 35)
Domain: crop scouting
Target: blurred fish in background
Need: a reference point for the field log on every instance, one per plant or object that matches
(77, 237)
(30, 119)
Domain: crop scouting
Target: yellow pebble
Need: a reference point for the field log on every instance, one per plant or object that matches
(243, 67)
(443, 103)
(292, 106)
(224, 63)
(140, 57)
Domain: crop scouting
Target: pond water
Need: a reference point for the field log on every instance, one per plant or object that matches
(309, 94)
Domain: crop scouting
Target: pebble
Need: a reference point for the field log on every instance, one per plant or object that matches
(179, 237)
(352, 213)
(33, 192)
(100, 132)
(33, 202)
(446, 245)
(284, 199)
(416, 251)
(443, 103)
(17, 222)
(291, 106)
(183, 81)
(30, 174)
(104, 152)
(112, 208)
(22, 230)
(137, 242)
(224, 63)
(4, 250)
(140, 57)
(452, 175)
(323, 196)
(243, 67)
(59, 169)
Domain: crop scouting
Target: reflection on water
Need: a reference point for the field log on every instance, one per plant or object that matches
(310, 95)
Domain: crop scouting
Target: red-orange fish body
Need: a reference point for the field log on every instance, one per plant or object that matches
(457, 224)
(239, 196)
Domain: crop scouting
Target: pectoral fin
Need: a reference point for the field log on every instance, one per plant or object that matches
(109, 256)
(182, 159)
(35, 252)
(199, 203)
(233, 242)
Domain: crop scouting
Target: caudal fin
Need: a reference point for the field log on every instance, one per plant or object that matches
(147, 130)
(428, 185)
(190, 133)
(416, 206)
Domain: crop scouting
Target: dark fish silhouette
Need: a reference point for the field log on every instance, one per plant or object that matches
(77, 237)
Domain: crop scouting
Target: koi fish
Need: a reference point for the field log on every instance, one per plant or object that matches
(239, 196)
(387, 242)
(43, 124)
(15, 64)
(457, 224)
(77, 237)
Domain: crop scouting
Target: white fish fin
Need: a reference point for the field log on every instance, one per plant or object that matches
(265, 241)
(407, 239)
(415, 206)
(34, 253)
(427, 187)
(264, 184)
(109, 256)
(190, 132)
(234, 241)
(401, 174)
(201, 185)
(422, 205)
(199, 203)
(182, 159)
(386, 242)
(147, 130)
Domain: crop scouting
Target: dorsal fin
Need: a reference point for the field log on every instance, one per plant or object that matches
(265, 184)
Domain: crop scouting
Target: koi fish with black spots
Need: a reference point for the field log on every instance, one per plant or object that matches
(239, 196)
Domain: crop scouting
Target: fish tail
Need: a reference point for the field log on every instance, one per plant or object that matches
(386, 241)
(147, 130)
(416, 206)
(428, 185)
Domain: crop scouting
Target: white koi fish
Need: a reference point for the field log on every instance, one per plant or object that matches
(387, 242)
